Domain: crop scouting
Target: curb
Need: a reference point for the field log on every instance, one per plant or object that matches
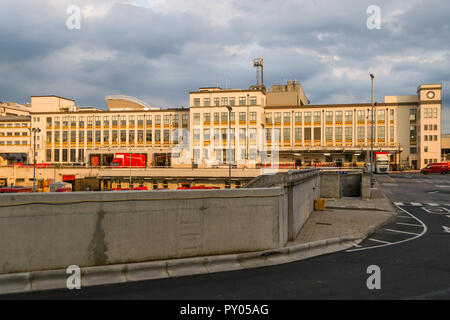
(109, 274)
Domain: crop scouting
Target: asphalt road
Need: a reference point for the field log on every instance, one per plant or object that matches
(412, 252)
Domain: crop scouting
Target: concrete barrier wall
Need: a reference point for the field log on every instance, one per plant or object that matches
(332, 183)
(302, 187)
(302, 197)
(55, 230)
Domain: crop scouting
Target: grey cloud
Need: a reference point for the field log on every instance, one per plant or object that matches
(159, 57)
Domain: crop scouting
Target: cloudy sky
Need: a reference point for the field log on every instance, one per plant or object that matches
(159, 50)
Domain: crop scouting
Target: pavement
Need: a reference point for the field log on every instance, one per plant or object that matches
(343, 225)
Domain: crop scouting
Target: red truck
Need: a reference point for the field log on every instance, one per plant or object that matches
(125, 160)
(442, 168)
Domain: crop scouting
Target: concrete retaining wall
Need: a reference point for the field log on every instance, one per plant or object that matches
(55, 230)
(355, 183)
(302, 187)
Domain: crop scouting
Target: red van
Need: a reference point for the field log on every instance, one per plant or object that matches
(442, 168)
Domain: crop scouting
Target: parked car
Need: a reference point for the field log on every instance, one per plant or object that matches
(442, 168)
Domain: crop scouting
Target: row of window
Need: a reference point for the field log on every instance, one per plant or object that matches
(63, 155)
(430, 113)
(114, 136)
(13, 125)
(11, 143)
(427, 161)
(224, 155)
(139, 120)
(226, 101)
(336, 133)
(430, 138)
(15, 134)
(223, 117)
(329, 116)
(430, 127)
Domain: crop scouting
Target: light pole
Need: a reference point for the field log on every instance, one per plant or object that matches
(34, 131)
(372, 77)
(229, 144)
(130, 187)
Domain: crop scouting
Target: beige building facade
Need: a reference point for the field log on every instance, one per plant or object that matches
(245, 128)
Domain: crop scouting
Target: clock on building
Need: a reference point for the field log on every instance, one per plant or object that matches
(430, 94)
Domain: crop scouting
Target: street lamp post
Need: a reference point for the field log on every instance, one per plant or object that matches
(229, 144)
(372, 77)
(34, 131)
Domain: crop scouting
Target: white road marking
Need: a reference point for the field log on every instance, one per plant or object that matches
(432, 192)
(446, 229)
(448, 216)
(443, 186)
(405, 217)
(425, 229)
(440, 208)
(416, 204)
(409, 224)
(376, 240)
(433, 204)
(398, 203)
(400, 231)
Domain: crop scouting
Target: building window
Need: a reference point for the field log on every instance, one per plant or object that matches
(381, 133)
(224, 101)
(348, 115)
(412, 132)
(308, 117)
(196, 119)
(413, 150)
(148, 121)
(425, 149)
(217, 102)
(148, 136)
(286, 135)
(338, 116)
(184, 120)
(360, 115)
(269, 118)
(206, 135)
(380, 115)
(166, 137)
(253, 116)
(232, 101)
(140, 121)
(207, 102)
(287, 118)
(412, 114)
(277, 118)
(348, 133)
(298, 134)
(338, 132)
(242, 116)
(196, 102)
(361, 133)
(298, 117)
(242, 101)
(253, 101)
(435, 113)
(329, 116)
(207, 117)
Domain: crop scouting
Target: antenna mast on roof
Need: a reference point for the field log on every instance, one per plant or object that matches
(258, 63)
